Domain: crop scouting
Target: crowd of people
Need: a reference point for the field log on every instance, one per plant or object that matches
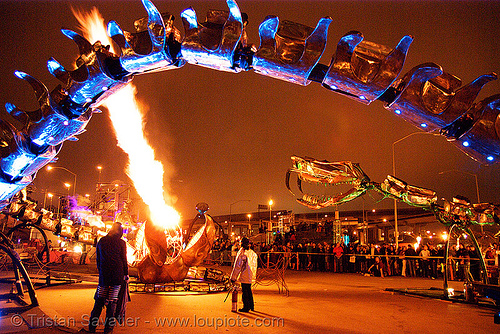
(378, 260)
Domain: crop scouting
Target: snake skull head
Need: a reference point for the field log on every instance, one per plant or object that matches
(327, 173)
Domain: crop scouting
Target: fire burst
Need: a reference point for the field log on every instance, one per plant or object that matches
(143, 169)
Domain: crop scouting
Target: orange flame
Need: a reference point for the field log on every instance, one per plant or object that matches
(125, 113)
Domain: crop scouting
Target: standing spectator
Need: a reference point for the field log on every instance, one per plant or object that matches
(463, 256)
(433, 261)
(113, 272)
(309, 250)
(302, 257)
(474, 267)
(496, 247)
(440, 260)
(328, 256)
(226, 252)
(402, 257)
(424, 254)
(245, 271)
(358, 251)
(489, 256)
(315, 256)
(320, 257)
(216, 254)
(410, 255)
(392, 264)
(352, 258)
(363, 259)
(287, 249)
(371, 257)
(337, 258)
(383, 251)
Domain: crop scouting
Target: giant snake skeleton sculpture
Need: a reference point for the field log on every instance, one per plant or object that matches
(459, 214)
(427, 96)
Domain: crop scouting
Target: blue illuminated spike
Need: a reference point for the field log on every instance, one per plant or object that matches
(234, 10)
(190, 16)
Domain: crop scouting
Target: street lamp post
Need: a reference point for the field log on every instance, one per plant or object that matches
(99, 168)
(270, 221)
(230, 208)
(477, 186)
(231, 205)
(49, 168)
(396, 232)
(45, 198)
(67, 185)
(249, 224)
(471, 174)
(50, 196)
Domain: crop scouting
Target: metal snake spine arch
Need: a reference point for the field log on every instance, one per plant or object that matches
(426, 96)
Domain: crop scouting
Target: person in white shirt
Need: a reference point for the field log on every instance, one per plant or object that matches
(245, 271)
(424, 254)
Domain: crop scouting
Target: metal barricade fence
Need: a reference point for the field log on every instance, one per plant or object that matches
(346, 262)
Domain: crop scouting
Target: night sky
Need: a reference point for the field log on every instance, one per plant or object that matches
(226, 138)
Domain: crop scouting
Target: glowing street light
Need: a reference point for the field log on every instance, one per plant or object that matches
(99, 168)
(49, 168)
(270, 209)
(396, 233)
(45, 199)
(249, 224)
(50, 195)
(67, 185)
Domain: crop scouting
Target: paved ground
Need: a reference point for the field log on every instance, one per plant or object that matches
(318, 303)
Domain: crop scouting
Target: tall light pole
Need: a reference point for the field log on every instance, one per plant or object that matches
(50, 195)
(471, 174)
(270, 221)
(396, 232)
(99, 168)
(477, 186)
(249, 224)
(49, 168)
(45, 198)
(270, 208)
